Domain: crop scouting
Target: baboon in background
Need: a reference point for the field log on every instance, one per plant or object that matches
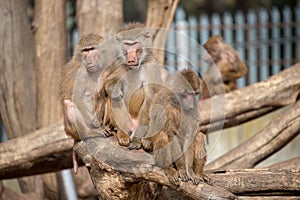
(173, 133)
(227, 61)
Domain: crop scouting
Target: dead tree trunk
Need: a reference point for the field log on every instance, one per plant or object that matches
(18, 84)
(160, 15)
(104, 17)
(50, 56)
(18, 93)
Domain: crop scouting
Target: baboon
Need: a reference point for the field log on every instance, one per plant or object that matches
(79, 80)
(227, 61)
(139, 67)
(173, 135)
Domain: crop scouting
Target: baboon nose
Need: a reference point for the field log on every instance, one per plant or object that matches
(132, 58)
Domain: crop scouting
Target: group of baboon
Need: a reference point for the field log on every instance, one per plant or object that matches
(115, 87)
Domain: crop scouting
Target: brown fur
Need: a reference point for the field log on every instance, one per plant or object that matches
(69, 73)
(228, 63)
(173, 133)
(132, 86)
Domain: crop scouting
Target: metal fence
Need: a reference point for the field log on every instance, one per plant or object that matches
(268, 41)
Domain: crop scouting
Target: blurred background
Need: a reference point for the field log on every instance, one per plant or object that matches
(266, 33)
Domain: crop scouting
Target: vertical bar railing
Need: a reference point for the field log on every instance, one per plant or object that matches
(170, 50)
(204, 35)
(228, 30)
(275, 17)
(240, 39)
(266, 40)
(263, 46)
(287, 18)
(251, 55)
(193, 44)
(181, 40)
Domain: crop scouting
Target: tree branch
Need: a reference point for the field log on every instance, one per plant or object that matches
(45, 150)
(272, 138)
(250, 102)
(254, 182)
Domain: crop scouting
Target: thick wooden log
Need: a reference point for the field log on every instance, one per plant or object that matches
(101, 156)
(131, 166)
(222, 111)
(45, 150)
(272, 138)
(254, 182)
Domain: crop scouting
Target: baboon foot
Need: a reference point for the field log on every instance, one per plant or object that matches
(147, 144)
(123, 139)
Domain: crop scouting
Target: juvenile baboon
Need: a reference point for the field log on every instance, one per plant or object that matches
(139, 67)
(116, 116)
(227, 61)
(173, 133)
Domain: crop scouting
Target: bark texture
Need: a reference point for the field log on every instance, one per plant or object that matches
(17, 77)
(160, 15)
(50, 56)
(42, 151)
(104, 17)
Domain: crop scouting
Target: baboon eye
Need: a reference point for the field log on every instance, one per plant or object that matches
(88, 49)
